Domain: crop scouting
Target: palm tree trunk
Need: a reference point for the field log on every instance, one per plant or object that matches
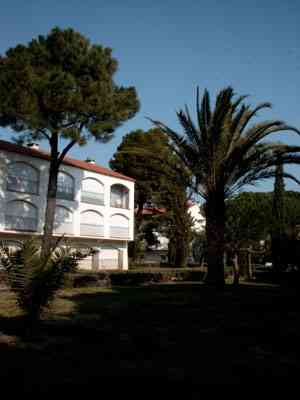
(215, 226)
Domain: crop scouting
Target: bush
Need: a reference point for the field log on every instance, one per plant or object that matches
(131, 278)
(85, 279)
(35, 279)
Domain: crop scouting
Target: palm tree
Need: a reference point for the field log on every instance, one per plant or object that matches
(224, 154)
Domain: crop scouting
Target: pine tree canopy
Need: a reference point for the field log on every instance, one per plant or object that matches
(61, 84)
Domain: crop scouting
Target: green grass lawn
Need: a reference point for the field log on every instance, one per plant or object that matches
(186, 334)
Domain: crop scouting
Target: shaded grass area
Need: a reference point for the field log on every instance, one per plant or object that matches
(177, 335)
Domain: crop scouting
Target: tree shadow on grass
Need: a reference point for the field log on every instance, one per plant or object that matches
(169, 334)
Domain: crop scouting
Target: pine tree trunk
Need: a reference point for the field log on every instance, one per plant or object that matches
(250, 268)
(172, 252)
(137, 234)
(47, 240)
(236, 270)
(181, 253)
(215, 226)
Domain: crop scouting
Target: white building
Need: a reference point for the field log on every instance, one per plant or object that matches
(198, 219)
(95, 206)
(159, 251)
(198, 225)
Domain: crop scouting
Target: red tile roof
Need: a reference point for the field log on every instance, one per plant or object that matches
(27, 151)
(152, 210)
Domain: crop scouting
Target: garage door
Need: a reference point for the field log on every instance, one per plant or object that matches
(109, 259)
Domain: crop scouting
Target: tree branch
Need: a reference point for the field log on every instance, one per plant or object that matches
(65, 150)
(44, 133)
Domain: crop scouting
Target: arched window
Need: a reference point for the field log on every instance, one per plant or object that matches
(91, 223)
(92, 191)
(65, 186)
(21, 216)
(22, 177)
(119, 196)
(63, 222)
(119, 226)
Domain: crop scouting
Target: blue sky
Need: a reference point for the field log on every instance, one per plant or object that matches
(166, 48)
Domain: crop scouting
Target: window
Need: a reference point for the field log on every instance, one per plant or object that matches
(23, 178)
(92, 191)
(65, 186)
(21, 216)
(119, 196)
(63, 222)
(91, 223)
(119, 226)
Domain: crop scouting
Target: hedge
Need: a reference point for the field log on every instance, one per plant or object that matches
(131, 278)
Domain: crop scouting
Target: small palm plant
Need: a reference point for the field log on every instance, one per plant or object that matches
(223, 154)
(34, 278)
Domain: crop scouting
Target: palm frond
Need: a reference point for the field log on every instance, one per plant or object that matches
(174, 136)
(203, 114)
(189, 127)
(255, 134)
(254, 112)
(259, 131)
(223, 150)
(238, 102)
(221, 112)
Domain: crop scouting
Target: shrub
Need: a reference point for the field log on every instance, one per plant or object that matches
(100, 279)
(132, 278)
(36, 279)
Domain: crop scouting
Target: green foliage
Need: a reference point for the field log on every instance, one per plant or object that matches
(223, 154)
(35, 279)
(278, 205)
(133, 278)
(130, 159)
(199, 248)
(248, 219)
(88, 279)
(279, 231)
(64, 84)
(161, 180)
(61, 86)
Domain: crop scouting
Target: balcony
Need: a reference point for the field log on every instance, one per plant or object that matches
(65, 192)
(92, 198)
(119, 232)
(119, 203)
(91, 230)
(63, 228)
(18, 223)
(23, 185)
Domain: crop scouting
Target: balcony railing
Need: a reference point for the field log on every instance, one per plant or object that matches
(65, 192)
(91, 230)
(92, 198)
(24, 185)
(63, 228)
(116, 203)
(119, 232)
(17, 223)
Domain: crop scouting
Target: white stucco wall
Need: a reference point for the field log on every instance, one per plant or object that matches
(76, 206)
(199, 220)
